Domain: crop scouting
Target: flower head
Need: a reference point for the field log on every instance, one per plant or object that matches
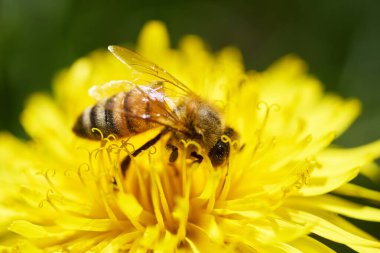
(283, 182)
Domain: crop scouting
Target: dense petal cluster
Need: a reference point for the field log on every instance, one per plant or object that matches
(63, 193)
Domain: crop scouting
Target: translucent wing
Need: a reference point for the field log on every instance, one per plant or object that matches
(155, 95)
(163, 114)
(142, 65)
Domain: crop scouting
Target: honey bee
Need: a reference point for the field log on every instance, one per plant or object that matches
(181, 114)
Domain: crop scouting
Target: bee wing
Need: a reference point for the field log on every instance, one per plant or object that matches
(142, 65)
(163, 114)
(155, 94)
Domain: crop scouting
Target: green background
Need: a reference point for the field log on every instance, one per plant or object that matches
(339, 39)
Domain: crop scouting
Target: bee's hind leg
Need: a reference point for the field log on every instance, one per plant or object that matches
(127, 160)
(125, 164)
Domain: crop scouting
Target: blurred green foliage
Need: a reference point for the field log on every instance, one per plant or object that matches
(340, 40)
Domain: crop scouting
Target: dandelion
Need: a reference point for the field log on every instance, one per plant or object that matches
(285, 188)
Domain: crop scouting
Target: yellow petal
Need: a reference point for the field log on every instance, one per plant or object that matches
(150, 237)
(321, 185)
(15, 157)
(44, 122)
(87, 224)
(330, 226)
(285, 247)
(7, 249)
(131, 208)
(30, 230)
(168, 243)
(286, 84)
(209, 226)
(372, 172)
(363, 249)
(121, 241)
(42, 118)
(277, 248)
(358, 192)
(333, 114)
(153, 40)
(85, 243)
(338, 166)
(336, 205)
(310, 245)
(199, 241)
(27, 247)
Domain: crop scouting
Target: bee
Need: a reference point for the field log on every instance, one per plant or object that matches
(165, 103)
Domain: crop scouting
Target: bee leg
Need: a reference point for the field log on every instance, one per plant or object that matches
(125, 164)
(174, 154)
(197, 156)
(127, 160)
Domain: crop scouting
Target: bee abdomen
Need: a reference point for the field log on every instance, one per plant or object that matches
(118, 115)
(103, 117)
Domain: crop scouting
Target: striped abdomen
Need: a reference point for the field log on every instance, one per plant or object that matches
(125, 114)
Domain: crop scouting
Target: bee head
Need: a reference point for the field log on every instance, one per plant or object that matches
(219, 153)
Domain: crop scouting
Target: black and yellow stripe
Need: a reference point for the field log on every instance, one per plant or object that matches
(124, 114)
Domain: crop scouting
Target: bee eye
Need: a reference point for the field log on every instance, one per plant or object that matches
(219, 153)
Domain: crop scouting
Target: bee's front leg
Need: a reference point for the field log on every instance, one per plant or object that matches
(198, 157)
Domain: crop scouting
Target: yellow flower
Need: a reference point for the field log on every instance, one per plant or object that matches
(61, 193)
